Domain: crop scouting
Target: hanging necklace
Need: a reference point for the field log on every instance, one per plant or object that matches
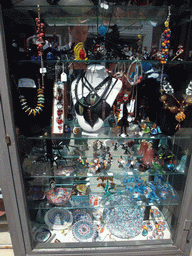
(40, 102)
(40, 91)
(92, 92)
(166, 89)
(181, 106)
(93, 106)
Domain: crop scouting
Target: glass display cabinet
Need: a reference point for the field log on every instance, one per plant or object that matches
(96, 127)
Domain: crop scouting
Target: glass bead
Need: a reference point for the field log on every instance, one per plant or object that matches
(59, 112)
(166, 23)
(59, 90)
(59, 121)
(145, 232)
(60, 97)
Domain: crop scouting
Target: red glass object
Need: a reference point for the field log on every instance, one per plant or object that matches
(82, 54)
(60, 97)
(59, 120)
(148, 156)
(59, 90)
(59, 112)
(143, 148)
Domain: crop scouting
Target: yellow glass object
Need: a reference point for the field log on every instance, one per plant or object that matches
(77, 49)
(166, 24)
(139, 36)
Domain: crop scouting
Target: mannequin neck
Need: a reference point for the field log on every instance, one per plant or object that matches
(96, 73)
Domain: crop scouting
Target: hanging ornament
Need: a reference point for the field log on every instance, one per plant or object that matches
(166, 41)
(102, 30)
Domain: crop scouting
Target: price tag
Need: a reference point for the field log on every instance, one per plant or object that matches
(63, 77)
(43, 70)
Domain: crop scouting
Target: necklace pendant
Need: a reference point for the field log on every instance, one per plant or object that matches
(89, 114)
(30, 112)
(37, 110)
(24, 107)
(40, 101)
(40, 96)
(39, 91)
(92, 99)
(40, 105)
(34, 112)
(27, 109)
(81, 109)
(103, 109)
(24, 103)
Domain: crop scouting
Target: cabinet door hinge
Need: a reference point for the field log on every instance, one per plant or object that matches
(188, 229)
(8, 140)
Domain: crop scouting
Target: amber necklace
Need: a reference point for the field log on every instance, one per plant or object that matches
(182, 106)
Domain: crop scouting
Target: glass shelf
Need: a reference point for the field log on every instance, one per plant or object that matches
(104, 133)
(107, 174)
(121, 13)
(35, 205)
(115, 61)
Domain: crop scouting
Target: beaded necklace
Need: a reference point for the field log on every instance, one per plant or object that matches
(182, 106)
(39, 106)
(165, 88)
(40, 91)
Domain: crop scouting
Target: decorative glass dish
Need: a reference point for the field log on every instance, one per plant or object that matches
(58, 218)
(58, 196)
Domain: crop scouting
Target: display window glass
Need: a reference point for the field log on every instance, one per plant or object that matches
(104, 95)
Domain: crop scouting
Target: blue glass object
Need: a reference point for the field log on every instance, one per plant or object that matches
(102, 30)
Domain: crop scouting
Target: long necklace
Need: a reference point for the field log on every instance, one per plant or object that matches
(165, 88)
(40, 91)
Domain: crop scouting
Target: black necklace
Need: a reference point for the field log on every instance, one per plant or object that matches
(93, 106)
(91, 90)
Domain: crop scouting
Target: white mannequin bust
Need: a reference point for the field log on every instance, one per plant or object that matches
(95, 75)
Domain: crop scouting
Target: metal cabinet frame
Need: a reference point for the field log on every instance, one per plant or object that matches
(15, 204)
